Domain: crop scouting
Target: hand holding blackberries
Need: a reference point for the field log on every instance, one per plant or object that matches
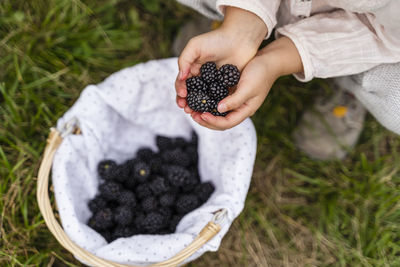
(277, 59)
(235, 42)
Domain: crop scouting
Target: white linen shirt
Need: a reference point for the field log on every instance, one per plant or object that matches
(333, 37)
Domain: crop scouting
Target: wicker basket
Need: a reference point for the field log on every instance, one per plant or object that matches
(53, 142)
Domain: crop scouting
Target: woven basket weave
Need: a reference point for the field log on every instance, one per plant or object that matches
(53, 142)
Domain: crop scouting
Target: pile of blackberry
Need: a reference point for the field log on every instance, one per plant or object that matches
(150, 193)
(205, 91)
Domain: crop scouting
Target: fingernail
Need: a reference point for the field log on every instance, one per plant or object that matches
(222, 107)
(204, 117)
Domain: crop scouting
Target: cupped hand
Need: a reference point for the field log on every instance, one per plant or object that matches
(279, 58)
(232, 43)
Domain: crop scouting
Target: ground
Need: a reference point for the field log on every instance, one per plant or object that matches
(299, 212)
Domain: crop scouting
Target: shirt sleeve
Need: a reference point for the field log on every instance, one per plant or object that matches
(341, 43)
(266, 10)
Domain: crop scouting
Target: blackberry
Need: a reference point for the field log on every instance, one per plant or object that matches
(228, 75)
(97, 204)
(122, 173)
(101, 220)
(194, 171)
(123, 215)
(218, 91)
(141, 171)
(156, 165)
(204, 190)
(143, 191)
(195, 139)
(107, 169)
(110, 190)
(180, 142)
(191, 151)
(199, 101)
(177, 175)
(127, 198)
(164, 232)
(167, 199)
(153, 222)
(167, 213)
(164, 143)
(208, 72)
(186, 203)
(159, 185)
(139, 220)
(190, 183)
(176, 157)
(145, 154)
(107, 235)
(196, 84)
(173, 223)
(149, 204)
(123, 231)
(131, 182)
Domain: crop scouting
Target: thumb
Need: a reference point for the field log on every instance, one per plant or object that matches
(234, 101)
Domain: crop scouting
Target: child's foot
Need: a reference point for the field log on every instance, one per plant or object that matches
(332, 127)
(191, 29)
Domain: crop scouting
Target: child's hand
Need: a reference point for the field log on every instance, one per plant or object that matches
(235, 42)
(279, 58)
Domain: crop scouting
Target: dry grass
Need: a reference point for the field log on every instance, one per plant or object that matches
(299, 212)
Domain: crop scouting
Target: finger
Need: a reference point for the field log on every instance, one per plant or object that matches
(232, 119)
(235, 100)
(188, 110)
(181, 102)
(188, 56)
(180, 87)
(197, 118)
(195, 68)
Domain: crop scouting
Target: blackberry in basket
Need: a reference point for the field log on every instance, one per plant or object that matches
(123, 215)
(127, 198)
(141, 171)
(110, 190)
(158, 189)
(97, 203)
(107, 169)
(159, 185)
(186, 203)
(153, 222)
(102, 219)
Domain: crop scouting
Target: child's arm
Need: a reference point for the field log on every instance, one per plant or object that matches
(277, 59)
(342, 43)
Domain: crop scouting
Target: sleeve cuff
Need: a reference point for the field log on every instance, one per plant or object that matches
(308, 69)
(253, 7)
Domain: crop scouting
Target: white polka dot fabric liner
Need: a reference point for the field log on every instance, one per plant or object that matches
(117, 117)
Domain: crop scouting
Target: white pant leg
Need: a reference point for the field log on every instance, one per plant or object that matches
(379, 91)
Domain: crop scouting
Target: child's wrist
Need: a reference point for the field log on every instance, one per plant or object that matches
(244, 25)
(281, 57)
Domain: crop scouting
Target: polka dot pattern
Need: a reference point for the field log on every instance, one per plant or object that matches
(118, 116)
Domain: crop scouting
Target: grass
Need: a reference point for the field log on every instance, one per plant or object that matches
(299, 212)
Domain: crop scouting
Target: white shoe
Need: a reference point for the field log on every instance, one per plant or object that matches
(332, 127)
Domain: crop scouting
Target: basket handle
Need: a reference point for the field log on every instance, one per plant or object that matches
(42, 195)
